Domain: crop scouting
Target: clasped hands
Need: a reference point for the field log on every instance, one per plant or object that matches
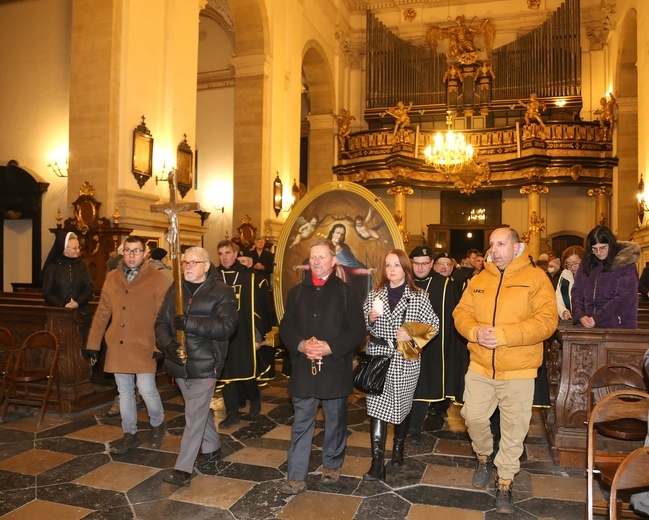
(486, 337)
(315, 349)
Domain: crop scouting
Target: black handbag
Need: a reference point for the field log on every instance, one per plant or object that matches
(369, 374)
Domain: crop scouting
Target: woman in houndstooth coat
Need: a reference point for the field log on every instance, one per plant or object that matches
(395, 301)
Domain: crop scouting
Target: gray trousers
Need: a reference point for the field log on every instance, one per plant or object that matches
(335, 438)
(200, 432)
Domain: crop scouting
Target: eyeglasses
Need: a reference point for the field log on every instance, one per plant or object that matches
(599, 249)
(571, 264)
(446, 265)
(133, 251)
(420, 264)
(192, 263)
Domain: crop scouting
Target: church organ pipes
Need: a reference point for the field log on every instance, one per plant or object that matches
(546, 60)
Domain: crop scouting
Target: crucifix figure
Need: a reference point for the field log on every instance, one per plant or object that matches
(171, 210)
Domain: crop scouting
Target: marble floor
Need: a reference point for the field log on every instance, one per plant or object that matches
(62, 471)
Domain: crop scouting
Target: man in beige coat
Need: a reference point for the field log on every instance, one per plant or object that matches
(132, 295)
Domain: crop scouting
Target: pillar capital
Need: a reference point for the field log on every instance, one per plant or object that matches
(601, 190)
(400, 190)
(538, 189)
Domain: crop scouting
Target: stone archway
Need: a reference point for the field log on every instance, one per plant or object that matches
(626, 90)
(318, 75)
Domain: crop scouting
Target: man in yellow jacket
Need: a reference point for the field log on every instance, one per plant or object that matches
(506, 313)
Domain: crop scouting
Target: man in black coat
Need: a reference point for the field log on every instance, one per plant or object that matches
(262, 260)
(438, 374)
(242, 364)
(209, 319)
(323, 323)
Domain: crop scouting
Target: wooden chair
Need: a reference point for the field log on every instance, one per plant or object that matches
(35, 361)
(7, 348)
(622, 404)
(610, 378)
(633, 473)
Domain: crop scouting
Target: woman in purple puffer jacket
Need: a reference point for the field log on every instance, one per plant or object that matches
(605, 293)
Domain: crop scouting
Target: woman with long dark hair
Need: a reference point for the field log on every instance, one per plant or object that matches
(395, 301)
(605, 293)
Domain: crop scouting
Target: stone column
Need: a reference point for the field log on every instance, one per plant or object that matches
(400, 193)
(602, 194)
(536, 223)
(323, 142)
(252, 180)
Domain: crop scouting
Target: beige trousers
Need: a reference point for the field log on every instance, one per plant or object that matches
(514, 398)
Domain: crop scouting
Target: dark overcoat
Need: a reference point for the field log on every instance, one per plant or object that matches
(211, 319)
(333, 313)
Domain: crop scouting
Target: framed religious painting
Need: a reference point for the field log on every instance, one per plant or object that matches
(184, 165)
(142, 165)
(354, 219)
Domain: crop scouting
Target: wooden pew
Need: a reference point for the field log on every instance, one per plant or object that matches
(572, 357)
(24, 313)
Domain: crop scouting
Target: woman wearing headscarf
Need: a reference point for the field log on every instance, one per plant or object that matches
(67, 282)
(570, 259)
(605, 293)
(398, 314)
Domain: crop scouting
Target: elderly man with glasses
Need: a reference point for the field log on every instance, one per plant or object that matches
(209, 319)
(130, 299)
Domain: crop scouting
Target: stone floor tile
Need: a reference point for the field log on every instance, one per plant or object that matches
(448, 476)
(116, 476)
(213, 491)
(451, 447)
(50, 510)
(34, 462)
(421, 512)
(259, 457)
(560, 488)
(320, 506)
(98, 433)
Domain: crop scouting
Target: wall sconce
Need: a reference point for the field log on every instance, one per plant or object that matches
(164, 169)
(56, 167)
(642, 200)
(277, 195)
(219, 205)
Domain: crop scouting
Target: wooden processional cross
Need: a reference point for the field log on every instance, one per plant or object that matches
(171, 210)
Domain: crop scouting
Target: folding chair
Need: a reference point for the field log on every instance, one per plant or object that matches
(623, 404)
(633, 473)
(611, 378)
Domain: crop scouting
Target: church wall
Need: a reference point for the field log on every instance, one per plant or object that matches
(35, 64)
(215, 134)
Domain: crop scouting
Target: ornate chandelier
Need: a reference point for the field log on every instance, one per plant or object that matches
(451, 152)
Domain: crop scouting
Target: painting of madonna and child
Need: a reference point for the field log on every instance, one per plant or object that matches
(358, 224)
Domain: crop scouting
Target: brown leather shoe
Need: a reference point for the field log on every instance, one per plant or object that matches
(121, 446)
(157, 434)
(330, 475)
(292, 487)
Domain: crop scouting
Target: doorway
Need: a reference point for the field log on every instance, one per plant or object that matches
(464, 239)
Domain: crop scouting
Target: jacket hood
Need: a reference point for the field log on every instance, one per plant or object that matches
(628, 253)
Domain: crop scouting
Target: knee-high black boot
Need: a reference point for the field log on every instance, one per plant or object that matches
(378, 432)
(400, 432)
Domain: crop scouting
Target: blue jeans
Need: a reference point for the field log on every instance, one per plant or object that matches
(127, 405)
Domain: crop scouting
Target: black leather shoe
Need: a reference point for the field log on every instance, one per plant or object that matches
(204, 459)
(180, 478)
(230, 421)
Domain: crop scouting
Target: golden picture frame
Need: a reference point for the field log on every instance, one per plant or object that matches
(184, 167)
(355, 219)
(142, 164)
